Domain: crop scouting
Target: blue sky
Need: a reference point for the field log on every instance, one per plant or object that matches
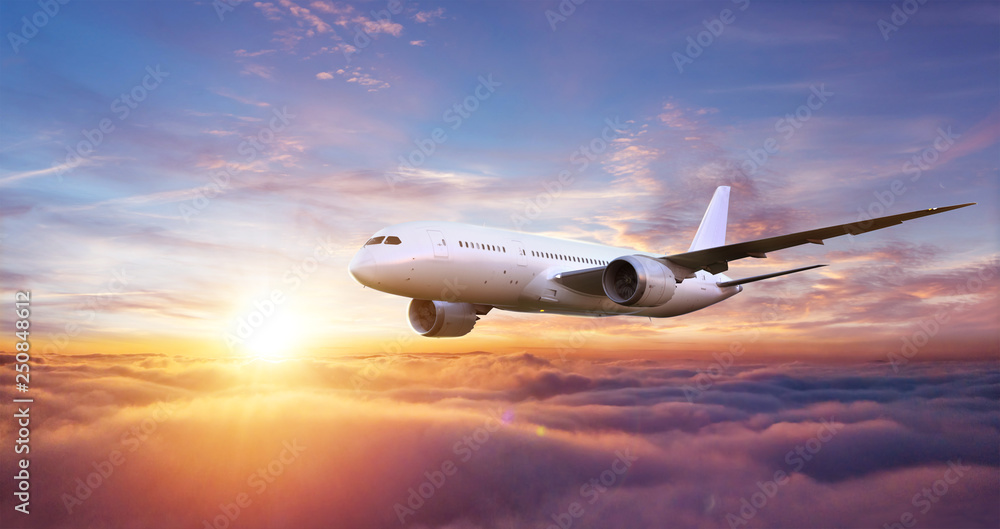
(353, 112)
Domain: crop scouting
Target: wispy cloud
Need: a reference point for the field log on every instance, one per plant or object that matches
(425, 17)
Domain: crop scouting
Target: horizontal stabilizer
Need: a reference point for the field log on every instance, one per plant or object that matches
(746, 280)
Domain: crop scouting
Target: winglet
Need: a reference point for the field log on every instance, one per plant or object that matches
(712, 230)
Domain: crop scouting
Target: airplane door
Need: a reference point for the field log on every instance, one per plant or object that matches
(438, 243)
(522, 258)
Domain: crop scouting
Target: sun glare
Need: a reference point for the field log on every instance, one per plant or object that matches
(275, 340)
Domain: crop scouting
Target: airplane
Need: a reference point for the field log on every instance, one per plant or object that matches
(456, 272)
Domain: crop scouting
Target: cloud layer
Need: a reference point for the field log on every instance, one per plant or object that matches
(205, 201)
(508, 441)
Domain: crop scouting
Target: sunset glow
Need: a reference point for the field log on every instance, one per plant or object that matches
(183, 186)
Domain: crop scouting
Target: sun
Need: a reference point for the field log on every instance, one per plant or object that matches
(275, 340)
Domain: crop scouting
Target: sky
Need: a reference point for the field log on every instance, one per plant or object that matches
(167, 165)
(170, 170)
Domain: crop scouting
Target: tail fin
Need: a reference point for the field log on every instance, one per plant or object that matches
(712, 230)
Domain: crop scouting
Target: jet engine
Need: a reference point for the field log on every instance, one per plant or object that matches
(638, 281)
(441, 319)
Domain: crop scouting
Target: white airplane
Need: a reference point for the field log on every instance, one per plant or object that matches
(456, 272)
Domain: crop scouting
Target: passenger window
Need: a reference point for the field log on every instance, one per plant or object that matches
(375, 240)
(393, 240)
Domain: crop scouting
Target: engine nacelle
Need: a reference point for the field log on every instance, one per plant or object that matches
(441, 319)
(638, 281)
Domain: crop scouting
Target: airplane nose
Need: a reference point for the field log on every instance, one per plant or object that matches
(363, 267)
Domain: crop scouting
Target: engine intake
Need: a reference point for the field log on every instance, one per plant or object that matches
(638, 281)
(441, 319)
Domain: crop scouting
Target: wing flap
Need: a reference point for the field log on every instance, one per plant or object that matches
(715, 260)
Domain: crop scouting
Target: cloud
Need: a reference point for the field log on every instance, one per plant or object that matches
(331, 8)
(529, 432)
(382, 26)
(245, 53)
(418, 42)
(269, 10)
(305, 16)
(348, 17)
(264, 72)
(425, 17)
(362, 78)
(324, 75)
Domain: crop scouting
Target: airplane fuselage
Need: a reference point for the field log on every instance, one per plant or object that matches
(461, 263)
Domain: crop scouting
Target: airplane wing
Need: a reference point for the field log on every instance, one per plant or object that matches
(716, 260)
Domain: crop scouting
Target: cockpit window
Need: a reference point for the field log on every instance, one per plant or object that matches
(393, 240)
(376, 240)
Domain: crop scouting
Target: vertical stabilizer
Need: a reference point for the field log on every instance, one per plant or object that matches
(712, 230)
